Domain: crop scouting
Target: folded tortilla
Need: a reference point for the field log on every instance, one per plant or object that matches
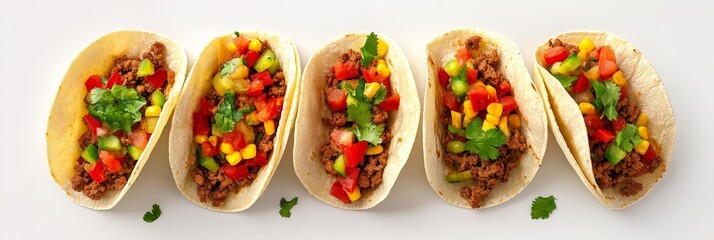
(65, 125)
(568, 124)
(532, 113)
(198, 84)
(312, 133)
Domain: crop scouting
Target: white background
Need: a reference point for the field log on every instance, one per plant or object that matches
(38, 40)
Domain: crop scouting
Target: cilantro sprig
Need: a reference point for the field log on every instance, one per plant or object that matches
(359, 111)
(286, 206)
(542, 207)
(482, 143)
(155, 213)
(564, 80)
(628, 138)
(607, 95)
(369, 50)
(227, 114)
(118, 107)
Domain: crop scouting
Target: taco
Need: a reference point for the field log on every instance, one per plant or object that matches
(359, 114)
(610, 113)
(234, 119)
(485, 129)
(109, 112)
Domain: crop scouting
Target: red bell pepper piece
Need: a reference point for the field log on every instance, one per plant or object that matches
(259, 102)
(337, 99)
(581, 84)
(450, 101)
(206, 107)
(139, 139)
(263, 77)
(94, 81)
(479, 97)
(354, 154)
(208, 150)
(271, 109)
(114, 79)
(618, 124)
(235, 172)
(503, 87)
(98, 173)
(390, 103)
(111, 162)
(649, 155)
(251, 57)
(509, 104)
(345, 70)
(604, 135)
(200, 125)
(241, 44)
(260, 159)
(463, 55)
(555, 54)
(235, 138)
(443, 77)
(593, 121)
(158, 78)
(92, 124)
(339, 193)
(472, 75)
(255, 89)
(349, 183)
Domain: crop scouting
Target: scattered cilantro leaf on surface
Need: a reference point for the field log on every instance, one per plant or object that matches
(628, 138)
(155, 213)
(285, 206)
(564, 80)
(369, 132)
(541, 208)
(483, 143)
(607, 95)
(369, 50)
(118, 107)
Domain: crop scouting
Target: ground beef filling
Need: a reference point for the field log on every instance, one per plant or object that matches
(372, 167)
(486, 174)
(127, 67)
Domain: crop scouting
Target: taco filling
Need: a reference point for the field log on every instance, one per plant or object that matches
(235, 123)
(360, 99)
(482, 137)
(620, 147)
(123, 109)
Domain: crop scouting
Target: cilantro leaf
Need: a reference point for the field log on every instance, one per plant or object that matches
(607, 95)
(369, 50)
(118, 107)
(230, 66)
(369, 132)
(360, 113)
(285, 206)
(457, 131)
(380, 95)
(227, 116)
(628, 138)
(483, 143)
(236, 33)
(541, 208)
(564, 80)
(155, 213)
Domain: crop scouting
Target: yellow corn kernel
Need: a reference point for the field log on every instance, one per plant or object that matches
(382, 48)
(495, 109)
(619, 78)
(234, 158)
(479, 83)
(149, 124)
(644, 132)
(586, 45)
(213, 140)
(152, 111)
(583, 56)
(354, 196)
(593, 73)
(200, 138)
(227, 148)
(255, 45)
(468, 110)
(248, 152)
(487, 125)
(231, 45)
(374, 150)
(371, 89)
(491, 91)
(586, 108)
(269, 127)
(492, 119)
(382, 68)
(456, 119)
(514, 121)
(642, 147)
(642, 120)
(503, 125)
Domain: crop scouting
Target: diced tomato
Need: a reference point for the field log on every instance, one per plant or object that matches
(339, 193)
(603, 135)
(98, 173)
(114, 79)
(271, 109)
(200, 124)
(593, 121)
(259, 102)
(235, 172)
(235, 138)
(606, 68)
(390, 103)
(555, 54)
(94, 81)
(649, 155)
(241, 44)
(92, 124)
(618, 124)
(354, 154)
(503, 87)
(479, 97)
(260, 159)
(205, 107)
(255, 89)
(581, 84)
(607, 53)
(371, 75)
(349, 183)
(451, 101)
(509, 104)
(251, 57)
(472, 75)
(463, 55)
(158, 78)
(443, 77)
(264, 77)
(337, 99)
(342, 137)
(208, 150)
(623, 92)
(345, 70)
(111, 162)
(119, 133)
(139, 139)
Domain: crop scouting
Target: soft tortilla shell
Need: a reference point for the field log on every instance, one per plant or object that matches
(65, 125)
(533, 120)
(568, 125)
(311, 134)
(199, 83)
